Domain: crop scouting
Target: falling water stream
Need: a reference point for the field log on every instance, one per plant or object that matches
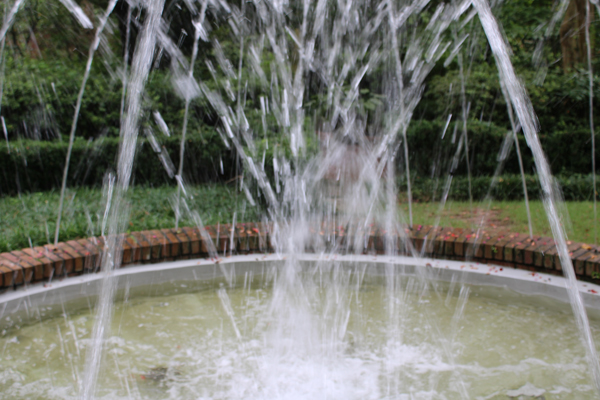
(524, 110)
(141, 62)
(86, 75)
(340, 172)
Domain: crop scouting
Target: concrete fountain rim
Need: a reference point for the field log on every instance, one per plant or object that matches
(487, 254)
(88, 285)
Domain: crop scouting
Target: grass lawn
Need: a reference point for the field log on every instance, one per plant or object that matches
(510, 216)
(30, 219)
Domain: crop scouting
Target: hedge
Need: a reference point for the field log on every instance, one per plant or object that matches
(38, 165)
(507, 187)
(569, 152)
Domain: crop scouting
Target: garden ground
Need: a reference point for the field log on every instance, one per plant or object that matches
(29, 219)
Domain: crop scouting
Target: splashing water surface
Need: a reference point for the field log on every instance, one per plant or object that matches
(196, 341)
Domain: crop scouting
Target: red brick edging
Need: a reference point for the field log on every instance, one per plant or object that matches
(77, 257)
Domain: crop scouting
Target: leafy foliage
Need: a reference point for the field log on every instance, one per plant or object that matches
(568, 151)
(505, 188)
(33, 165)
(32, 217)
(41, 85)
(38, 166)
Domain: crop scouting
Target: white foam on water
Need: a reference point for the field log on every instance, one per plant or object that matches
(213, 341)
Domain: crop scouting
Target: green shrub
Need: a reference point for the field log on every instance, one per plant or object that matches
(507, 187)
(33, 166)
(567, 151)
(31, 219)
(37, 165)
(39, 99)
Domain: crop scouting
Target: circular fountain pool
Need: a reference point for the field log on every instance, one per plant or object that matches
(314, 329)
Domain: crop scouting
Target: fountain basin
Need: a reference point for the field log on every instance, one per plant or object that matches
(181, 331)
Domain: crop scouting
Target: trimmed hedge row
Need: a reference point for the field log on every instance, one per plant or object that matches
(569, 152)
(37, 165)
(507, 187)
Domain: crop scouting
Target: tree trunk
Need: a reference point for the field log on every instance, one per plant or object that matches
(572, 34)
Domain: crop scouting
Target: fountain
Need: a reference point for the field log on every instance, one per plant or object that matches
(335, 293)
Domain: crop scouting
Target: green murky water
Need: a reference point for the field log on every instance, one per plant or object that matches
(331, 334)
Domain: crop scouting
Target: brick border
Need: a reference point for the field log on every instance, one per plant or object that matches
(77, 257)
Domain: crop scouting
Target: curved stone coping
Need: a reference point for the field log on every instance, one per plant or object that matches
(27, 303)
(77, 257)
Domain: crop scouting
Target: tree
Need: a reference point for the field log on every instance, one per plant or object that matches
(572, 34)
